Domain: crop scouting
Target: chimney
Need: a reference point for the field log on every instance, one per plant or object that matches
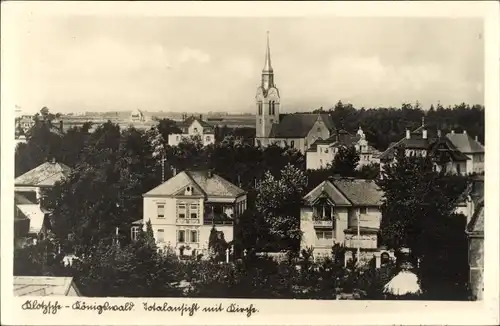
(424, 134)
(201, 116)
(408, 135)
(174, 172)
(476, 139)
(439, 133)
(465, 132)
(209, 173)
(53, 160)
(452, 131)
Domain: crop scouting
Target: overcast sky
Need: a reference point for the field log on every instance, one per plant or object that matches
(214, 64)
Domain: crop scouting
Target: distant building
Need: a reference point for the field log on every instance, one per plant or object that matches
(446, 156)
(137, 116)
(45, 286)
(323, 151)
(343, 211)
(287, 130)
(184, 209)
(25, 122)
(471, 148)
(193, 127)
(30, 216)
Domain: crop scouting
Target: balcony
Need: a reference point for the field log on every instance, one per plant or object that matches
(188, 221)
(322, 223)
(217, 219)
(323, 243)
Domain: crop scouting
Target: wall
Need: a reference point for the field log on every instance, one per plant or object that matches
(476, 265)
(371, 219)
(299, 143)
(477, 163)
(309, 232)
(318, 131)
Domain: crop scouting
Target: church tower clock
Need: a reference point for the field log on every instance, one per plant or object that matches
(267, 99)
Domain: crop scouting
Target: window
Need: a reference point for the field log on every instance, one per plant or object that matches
(259, 104)
(319, 129)
(181, 236)
(458, 168)
(160, 235)
(321, 150)
(194, 236)
(207, 138)
(134, 233)
(362, 210)
(178, 137)
(195, 129)
(321, 162)
(324, 235)
(292, 143)
(194, 215)
(270, 108)
(161, 211)
(181, 210)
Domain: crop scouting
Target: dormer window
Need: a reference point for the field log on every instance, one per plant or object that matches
(195, 129)
(189, 191)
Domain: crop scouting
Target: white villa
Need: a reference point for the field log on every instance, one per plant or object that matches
(193, 127)
(184, 209)
(343, 211)
(323, 151)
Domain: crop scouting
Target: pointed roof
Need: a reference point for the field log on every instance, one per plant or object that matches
(347, 192)
(298, 125)
(44, 175)
(189, 121)
(43, 286)
(267, 62)
(465, 143)
(204, 184)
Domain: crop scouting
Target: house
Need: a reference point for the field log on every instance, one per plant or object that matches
(183, 210)
(137, 116)
(193, 127)
(343, 211)
(30, 217)
(298, 130)
(445, 155)
(32, 183)
(323, 151)
(45, 286)
(475, 234)
(471, 148)
(25, 122)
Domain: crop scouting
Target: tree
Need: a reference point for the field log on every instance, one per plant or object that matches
(370, 171)
(346, 161)
(278, 200)
(418, 213)
(217, 244)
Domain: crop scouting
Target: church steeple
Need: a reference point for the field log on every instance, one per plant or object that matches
(267, 72)
(267, 64)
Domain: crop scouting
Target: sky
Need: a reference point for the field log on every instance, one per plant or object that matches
(201, 64)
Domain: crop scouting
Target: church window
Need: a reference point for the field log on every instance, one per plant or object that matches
(271, 108)
(260, 107)
(292, 143)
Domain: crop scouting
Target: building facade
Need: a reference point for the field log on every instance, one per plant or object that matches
(475, 234)
(323, 151)
(472, 148)
(343, 211)
(445, 155)
(298, 130)
(184, 209)
(193, 127)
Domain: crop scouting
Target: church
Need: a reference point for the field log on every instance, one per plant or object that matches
(297, 130)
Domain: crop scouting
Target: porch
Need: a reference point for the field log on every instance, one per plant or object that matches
(219, 213)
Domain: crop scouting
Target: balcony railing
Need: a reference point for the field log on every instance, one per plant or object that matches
(190, 221)
(322, 223)
(217, 222)
(217, 219)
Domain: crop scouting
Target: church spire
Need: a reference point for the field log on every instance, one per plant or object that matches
(267, 64)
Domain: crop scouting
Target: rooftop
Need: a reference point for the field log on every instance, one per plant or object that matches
(298, 125)
(465, 143)
(42, 286)
(205, 184)
(347, 192)
(44, 175)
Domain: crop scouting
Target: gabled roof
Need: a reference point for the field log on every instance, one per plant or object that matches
(298, 125)
(326, 190)
(189, 121)
(465, 143)
(43, 286)
(389, 152)
(35, 214)
(44, 175)
(347, 192)
(360, 192)
(21, 200)
(476, 224)
(445, 143)
(206, 185)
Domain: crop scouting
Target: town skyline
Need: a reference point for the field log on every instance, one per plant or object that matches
(102, 64)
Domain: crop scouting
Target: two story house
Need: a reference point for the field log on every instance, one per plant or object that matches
(344, 211)
(193, 127)
(472, 148)
(184, 209)
(323, 151)
(30, 216)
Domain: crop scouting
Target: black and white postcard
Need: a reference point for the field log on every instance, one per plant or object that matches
(250, 163)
